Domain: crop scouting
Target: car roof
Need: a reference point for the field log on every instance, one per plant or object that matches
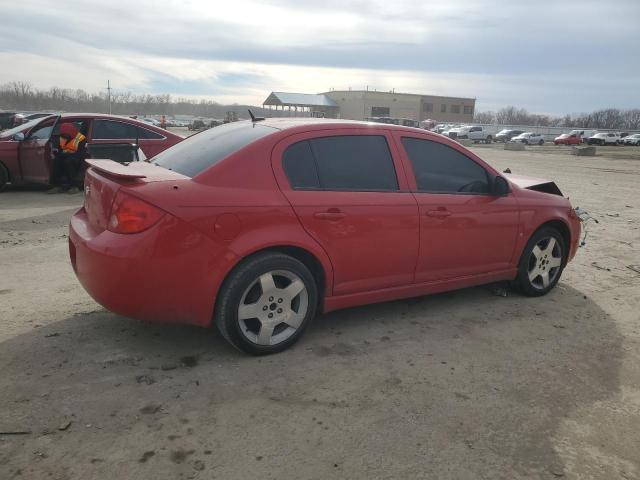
(307, 124)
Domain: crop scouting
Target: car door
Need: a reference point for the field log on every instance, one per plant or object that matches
(109, 131)
(350, 193)
(464, 229)
(35, 155)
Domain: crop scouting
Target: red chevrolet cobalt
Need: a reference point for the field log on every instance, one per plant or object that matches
(257, 226)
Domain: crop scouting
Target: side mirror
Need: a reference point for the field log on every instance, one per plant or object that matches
(500, 186)
(18, 137)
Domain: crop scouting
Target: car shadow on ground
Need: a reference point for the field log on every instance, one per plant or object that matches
(458, 385)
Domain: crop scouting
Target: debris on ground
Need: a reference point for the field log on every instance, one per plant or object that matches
(635, 268)
(65, 426)
(599, 267)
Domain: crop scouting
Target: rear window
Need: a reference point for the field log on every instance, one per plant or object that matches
(203, 150)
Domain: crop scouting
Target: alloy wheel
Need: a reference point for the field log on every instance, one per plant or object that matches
(273, 307)
(544, 263)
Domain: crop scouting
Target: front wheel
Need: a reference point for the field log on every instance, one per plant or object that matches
(266, 303)
(4, 177)
(542, 262)
(488, 140)
(541, 142)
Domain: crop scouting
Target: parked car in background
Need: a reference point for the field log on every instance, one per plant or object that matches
(603, 138)
(568, 139)
(529, 138)
(633, 139)
(197, 124)
(472, 132)
(333, 215)
(151, 121)
(27, 151)
(22, 118)
(507, 134)
(6, 120)
(584, 134)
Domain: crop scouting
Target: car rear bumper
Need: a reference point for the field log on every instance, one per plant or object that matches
(165, 274)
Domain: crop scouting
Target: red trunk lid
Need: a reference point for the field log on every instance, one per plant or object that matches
(105, 177)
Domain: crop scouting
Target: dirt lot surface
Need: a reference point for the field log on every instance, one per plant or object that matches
(464, 385)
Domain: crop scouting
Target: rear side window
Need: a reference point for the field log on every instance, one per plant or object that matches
(349, 162)
(300, 166)
(112, 130)
(441, 169)
(148, 134)
(203, 150)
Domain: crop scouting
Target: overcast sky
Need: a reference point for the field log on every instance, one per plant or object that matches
(549, 56)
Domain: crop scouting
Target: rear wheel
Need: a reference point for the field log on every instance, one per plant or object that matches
(266, 303)
(542, 262)
(541, 142)
(489, 139)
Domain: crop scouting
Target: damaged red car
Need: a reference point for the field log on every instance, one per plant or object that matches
(257, 226)
(27, 151)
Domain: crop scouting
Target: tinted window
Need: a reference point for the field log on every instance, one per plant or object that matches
(354, 162)
(112, 130)
(43, 132)
(199, 152)
(442, 169)
(300, 166)
(148, 134)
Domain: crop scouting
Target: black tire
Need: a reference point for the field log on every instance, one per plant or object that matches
(535, 288)
(541, 142)
(4, 177)
(488, 140)
(246, 274)
(526, 142)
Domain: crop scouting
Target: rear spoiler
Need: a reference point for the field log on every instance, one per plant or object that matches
(114, 169)
(134, 170)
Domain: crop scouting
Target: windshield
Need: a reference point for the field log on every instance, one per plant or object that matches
(21, 128)
(203, 150)
(635, 135)
(564, 135)
(504, 132)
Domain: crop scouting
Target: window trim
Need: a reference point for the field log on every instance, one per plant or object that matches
(381, 133)
(96, 120)
(417, 189)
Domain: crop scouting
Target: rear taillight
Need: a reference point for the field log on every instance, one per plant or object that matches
(132, 215)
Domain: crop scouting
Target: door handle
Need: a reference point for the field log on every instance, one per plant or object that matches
(331, 214)
(438, 213)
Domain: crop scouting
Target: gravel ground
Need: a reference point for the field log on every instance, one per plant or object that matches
(463, 385)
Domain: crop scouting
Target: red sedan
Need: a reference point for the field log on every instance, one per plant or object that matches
(568, 139)
(26, 152)
(257, 226)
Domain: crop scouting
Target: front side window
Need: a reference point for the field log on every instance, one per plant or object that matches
(441, 169)
(43, 132)
(349, 162)
(113, 130)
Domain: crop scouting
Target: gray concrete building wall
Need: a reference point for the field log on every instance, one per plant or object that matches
(360, 104)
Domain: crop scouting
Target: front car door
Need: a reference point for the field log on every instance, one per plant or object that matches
(35, 153)
(351, 195)
(464, 230)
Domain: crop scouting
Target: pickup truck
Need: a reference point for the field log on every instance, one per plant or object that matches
(475, 133)
(604, 139)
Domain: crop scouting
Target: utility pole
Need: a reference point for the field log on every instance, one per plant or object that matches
(109, 95)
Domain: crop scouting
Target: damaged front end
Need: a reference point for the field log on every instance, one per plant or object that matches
(535, 184)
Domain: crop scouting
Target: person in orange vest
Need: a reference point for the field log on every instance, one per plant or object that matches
(67, 162)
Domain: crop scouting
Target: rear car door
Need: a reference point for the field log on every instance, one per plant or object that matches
(110, 131)
(464, 230)
(35, 155)
(351, 195)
